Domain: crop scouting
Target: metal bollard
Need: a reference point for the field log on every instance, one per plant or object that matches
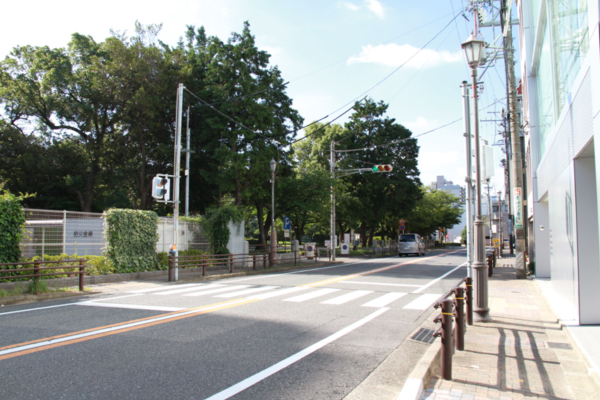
(265, 261)
(447, 314)
(459, 298)
(203, 264)
(469, 299)
(171, 269)
(254, 262)
(231, 263)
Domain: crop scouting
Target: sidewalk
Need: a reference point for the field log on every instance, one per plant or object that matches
(524, 353)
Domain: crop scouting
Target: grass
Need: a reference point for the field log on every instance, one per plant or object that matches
(40, 288)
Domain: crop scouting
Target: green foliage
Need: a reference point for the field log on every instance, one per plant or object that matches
(437, 209)
(12, 221)
(37, 286)
(131, 237)
(463, 235)
(215, 226)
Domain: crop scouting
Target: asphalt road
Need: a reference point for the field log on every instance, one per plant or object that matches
(309, 334)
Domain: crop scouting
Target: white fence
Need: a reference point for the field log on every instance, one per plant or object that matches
(49, 232)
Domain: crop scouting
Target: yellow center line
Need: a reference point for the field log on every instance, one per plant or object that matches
(186, 314)
(176, 315)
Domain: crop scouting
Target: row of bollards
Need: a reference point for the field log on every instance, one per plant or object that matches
(454, 309)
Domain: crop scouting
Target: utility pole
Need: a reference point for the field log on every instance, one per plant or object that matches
(332, 219)
(516, 161)
(489, 210)
(469, 179)
(187, 166)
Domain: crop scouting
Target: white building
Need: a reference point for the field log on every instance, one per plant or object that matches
(560, 66)
(442, 184)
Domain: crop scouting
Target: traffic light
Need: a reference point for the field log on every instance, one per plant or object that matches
(161, 188)
(383, 168)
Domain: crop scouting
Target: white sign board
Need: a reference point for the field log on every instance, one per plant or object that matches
(286, 233)
(346, 238)
(518, 210)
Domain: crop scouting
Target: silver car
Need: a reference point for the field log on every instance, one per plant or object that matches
(411, 243)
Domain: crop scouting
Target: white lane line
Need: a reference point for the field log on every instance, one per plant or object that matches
(219, 290)
(161, 287)
(347, 297)
(311, 295)
(116, 328)
(113, 298)
(381, 284)
(280, 292)
(129, 306)
(201, 286)
(438, 279)
(247, 291)
(384, 300)
(422, 302)
(254, 379)
(309, 270)
(35, 309)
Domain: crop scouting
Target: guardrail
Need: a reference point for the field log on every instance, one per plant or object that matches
(226, 260)
(37, 269)
(450, 309)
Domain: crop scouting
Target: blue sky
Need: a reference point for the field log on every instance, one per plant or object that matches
(330, 51)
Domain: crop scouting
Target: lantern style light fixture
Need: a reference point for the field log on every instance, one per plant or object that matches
(474, 49)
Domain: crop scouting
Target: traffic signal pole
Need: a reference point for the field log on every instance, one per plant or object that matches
(176, 175)
(332, 219)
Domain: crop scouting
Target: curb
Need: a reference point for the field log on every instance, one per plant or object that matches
(420, 376)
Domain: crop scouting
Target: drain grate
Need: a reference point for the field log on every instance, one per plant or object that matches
(424, 335)
(556, 345)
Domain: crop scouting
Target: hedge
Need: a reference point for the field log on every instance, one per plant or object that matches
(131, 237)
(12, 221)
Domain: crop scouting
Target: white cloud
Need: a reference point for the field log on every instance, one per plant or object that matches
(394, 55)
(349, 6)
(375, 7)
(418, 125)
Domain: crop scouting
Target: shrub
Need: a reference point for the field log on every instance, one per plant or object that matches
(12, 221)
(215, 226)
(131, 237)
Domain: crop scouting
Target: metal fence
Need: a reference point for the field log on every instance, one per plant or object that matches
(49, 232)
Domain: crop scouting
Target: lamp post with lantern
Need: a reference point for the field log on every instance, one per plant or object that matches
(474, 49)
(273, 252)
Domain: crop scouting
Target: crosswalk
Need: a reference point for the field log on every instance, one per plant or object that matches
(297, 294)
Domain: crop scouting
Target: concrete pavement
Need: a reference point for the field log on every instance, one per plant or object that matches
(524, 353)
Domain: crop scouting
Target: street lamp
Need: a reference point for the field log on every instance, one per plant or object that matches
(474, 49)
(273, 253)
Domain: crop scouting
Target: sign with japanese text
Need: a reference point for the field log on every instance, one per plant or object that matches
(518, 202)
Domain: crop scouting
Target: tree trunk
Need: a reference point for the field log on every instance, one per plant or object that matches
(371, 234)
(363, 234)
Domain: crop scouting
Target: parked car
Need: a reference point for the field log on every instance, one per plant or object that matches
(411, 243)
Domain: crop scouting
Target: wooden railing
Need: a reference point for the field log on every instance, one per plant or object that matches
(39, 271)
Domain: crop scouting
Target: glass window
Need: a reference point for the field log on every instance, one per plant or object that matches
(495, 209)
(544, 89)
(570, 43)
(407, 238)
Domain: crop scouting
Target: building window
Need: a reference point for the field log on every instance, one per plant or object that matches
(570, 43)
(495, 209)
(545, 94)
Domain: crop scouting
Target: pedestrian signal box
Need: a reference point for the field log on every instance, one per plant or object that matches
(161, 188)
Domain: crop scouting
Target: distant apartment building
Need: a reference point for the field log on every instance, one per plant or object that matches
(441, 183)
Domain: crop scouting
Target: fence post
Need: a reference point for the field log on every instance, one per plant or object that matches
(36, 275)
(231, 263)
(264, 260)
(469, 298)
(459, 297)
(447, 314)
(254, 262)
(170, 268)
(295, 258)
(82, 266)
(489, 263)
(203, 264)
